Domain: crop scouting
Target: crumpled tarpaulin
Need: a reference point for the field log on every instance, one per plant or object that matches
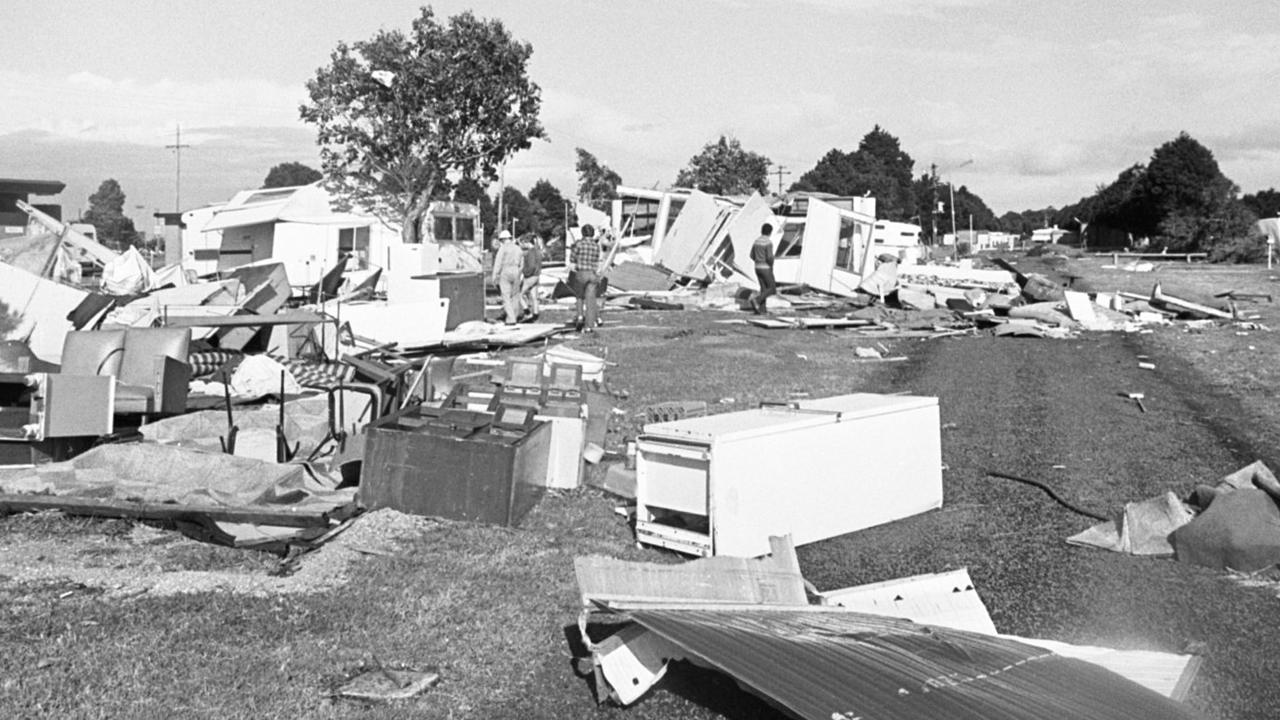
(306, 422)
(1142, 528)
(128, 274)
(152, 473)
(1240, 530)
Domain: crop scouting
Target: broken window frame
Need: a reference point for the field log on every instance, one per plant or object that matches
(851, 239)
(354, 242)
(792, 242)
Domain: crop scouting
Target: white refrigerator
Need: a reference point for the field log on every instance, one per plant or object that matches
(722, 484)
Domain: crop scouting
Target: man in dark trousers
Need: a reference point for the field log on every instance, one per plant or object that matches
(585, 258)
(762, 256)
(532, 268)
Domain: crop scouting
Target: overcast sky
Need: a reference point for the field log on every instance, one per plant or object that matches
(1048, 100)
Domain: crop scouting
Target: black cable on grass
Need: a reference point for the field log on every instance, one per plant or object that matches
(1051, 493)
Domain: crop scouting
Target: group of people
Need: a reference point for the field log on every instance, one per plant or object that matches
(517, 267)
(516, 270)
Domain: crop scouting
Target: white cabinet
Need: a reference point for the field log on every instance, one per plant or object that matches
(722, 484)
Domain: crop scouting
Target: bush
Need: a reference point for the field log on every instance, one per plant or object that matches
(1247, 249)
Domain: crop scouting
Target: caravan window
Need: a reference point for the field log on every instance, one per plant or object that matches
(464, 229)
(443, 228)
(792, 239)
(639, 215)
(677, 204)
(849, 244)
(354, 242)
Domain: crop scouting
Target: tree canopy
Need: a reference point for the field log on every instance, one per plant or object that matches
(401, 114)
(517, 211)
(1180, 200)
(548, 209)
(724, 167)
(106, 214)
(290, 174)
(879, 167)
(596, 182)
(1264, 203)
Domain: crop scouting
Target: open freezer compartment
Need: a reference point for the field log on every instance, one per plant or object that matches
(673, 511)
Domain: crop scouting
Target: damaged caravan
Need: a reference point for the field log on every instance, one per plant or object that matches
(300, 227)
(830, 250)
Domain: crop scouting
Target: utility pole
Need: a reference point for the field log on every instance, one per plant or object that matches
(780, 171)
(502, 191)
(177, 182)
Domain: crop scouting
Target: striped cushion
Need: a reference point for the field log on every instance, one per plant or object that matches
(205, 362)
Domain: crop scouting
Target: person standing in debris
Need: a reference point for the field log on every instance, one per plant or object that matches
(585, 258)
(507, 272)
(531, 272)
(762, 256)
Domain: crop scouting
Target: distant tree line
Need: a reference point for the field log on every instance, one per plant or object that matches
(1179, 201)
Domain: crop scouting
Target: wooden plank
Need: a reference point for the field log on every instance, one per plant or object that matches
(1157, 296)
(286, 318)
(92, 507)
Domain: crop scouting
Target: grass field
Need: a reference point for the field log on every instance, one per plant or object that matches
(491, 608)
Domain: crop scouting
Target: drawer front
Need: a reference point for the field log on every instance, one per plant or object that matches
(677, 539)
(672, 476)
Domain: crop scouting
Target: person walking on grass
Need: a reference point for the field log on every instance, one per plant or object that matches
(585, 258)
(507, 275)
(762, 256)
(532, 271)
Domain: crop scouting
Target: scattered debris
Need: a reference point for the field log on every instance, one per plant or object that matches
(1137, 398)
(829, 661)
(384, 684)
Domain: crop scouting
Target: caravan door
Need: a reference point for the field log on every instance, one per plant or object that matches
(733, 257)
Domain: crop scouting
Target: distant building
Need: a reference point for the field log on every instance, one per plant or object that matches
(299, 227)
(12, 220)
(1053, 235)
(982, 240)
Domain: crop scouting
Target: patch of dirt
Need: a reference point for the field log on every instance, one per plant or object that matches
(147, 561)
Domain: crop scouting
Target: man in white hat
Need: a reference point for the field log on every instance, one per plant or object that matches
(507, 275)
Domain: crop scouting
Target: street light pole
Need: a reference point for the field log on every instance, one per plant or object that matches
(952, 188)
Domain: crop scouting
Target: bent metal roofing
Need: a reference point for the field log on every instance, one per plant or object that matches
(839, 665)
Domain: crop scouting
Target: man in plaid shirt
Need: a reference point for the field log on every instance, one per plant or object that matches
(585, 258)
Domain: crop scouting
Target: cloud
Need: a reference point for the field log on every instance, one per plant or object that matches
(1254, 142)
(933, 9)
(89, 106)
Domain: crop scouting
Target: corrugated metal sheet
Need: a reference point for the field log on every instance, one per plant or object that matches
(846, 666)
